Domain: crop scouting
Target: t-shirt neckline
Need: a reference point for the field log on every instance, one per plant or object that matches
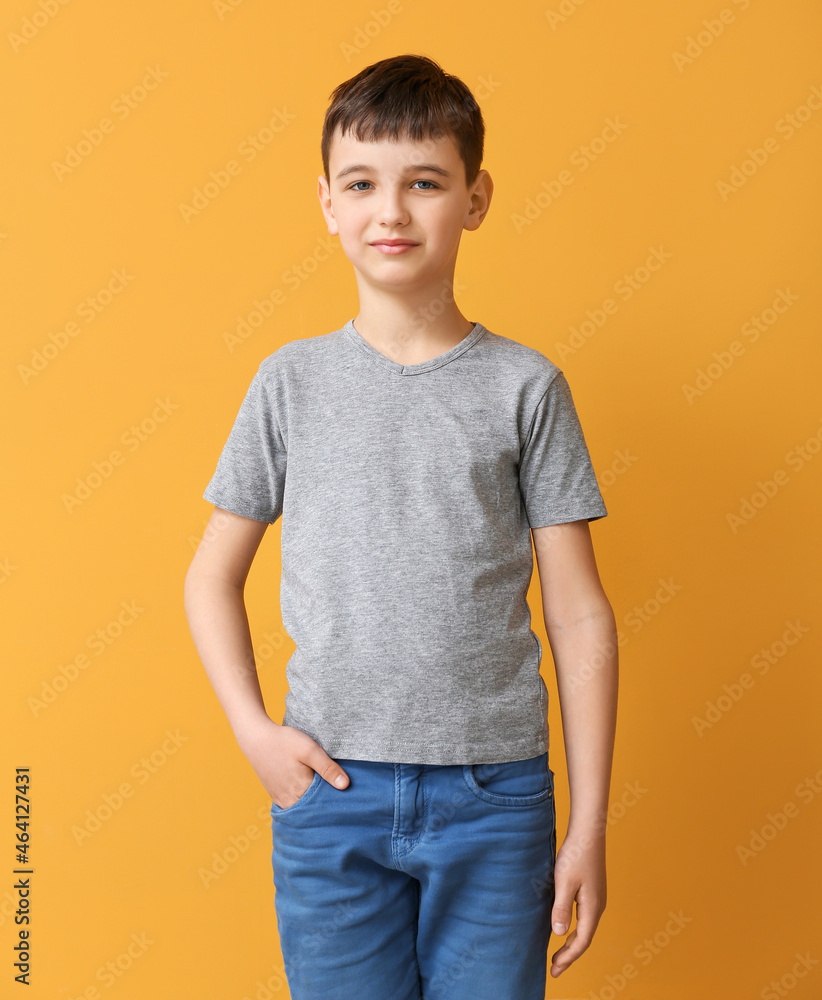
(359, 341)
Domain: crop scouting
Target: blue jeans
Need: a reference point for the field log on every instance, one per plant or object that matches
(418, 882)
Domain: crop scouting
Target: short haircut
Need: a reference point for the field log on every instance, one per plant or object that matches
(408, 96)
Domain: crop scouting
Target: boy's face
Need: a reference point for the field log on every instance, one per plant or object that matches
(405, 190)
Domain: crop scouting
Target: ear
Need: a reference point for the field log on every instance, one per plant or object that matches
(481, 192)
(324, 195)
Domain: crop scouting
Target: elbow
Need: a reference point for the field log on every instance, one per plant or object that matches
(200, 580)
(195, 585)
(596, 614)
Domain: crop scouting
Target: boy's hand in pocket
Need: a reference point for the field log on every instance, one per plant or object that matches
(285, 759)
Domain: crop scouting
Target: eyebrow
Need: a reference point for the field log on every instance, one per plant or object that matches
(412, 169)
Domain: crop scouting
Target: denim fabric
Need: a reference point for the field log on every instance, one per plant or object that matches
(418, 882)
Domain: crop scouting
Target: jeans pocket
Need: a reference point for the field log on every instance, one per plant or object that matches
(307, 794)
(512, 783)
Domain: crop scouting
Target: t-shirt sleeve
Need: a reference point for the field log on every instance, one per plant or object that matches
(250, 475)
(556, 476)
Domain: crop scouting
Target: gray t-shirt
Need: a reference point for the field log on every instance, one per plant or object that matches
(407, 494)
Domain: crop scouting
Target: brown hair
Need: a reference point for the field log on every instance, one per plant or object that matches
(407, 96)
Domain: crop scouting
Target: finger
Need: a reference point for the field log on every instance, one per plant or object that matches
(583, 935)
(331, 771)
(578, 940)
(562, 910)
(563, 957)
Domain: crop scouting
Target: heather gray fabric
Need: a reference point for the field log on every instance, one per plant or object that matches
(407, 493)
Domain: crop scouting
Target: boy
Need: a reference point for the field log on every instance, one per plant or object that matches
(413, 454)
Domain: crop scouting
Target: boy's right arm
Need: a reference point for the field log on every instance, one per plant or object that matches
(283, 757)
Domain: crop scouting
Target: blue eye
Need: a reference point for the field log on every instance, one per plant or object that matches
(432, 187)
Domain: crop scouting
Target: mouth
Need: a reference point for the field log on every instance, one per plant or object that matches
(393, 247)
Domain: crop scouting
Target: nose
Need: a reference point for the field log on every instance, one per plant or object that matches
(392, 210)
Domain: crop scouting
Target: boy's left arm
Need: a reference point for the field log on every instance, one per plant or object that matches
(581, 630)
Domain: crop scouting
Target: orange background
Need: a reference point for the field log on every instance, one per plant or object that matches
(706, 169)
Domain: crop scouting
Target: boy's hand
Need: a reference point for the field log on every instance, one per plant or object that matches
(285, 759)
(579, 874)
